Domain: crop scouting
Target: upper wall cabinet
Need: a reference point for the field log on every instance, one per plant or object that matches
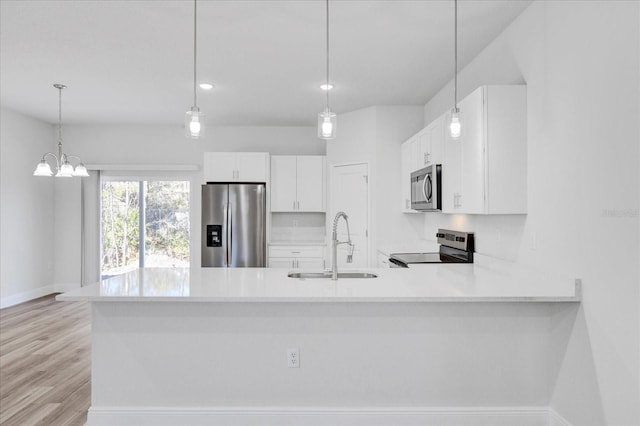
(235, 166)
(431, 143)
(485, 170)
(298, 183)
(409, 158)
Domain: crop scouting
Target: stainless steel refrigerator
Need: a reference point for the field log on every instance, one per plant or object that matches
(234, 225)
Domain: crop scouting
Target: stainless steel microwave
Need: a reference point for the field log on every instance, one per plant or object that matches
(426, 188)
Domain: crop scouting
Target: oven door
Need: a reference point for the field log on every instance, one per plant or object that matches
(425, 188)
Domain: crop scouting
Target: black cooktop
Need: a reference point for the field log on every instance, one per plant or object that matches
(456, 247)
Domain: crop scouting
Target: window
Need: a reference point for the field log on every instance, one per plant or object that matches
(144, 223)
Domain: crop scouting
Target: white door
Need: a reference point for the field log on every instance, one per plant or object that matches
(350, 194)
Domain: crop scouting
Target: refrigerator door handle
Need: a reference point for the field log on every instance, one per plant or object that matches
(230, 238)
(225, 232)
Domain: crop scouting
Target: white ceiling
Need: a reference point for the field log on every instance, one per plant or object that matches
(131, 61)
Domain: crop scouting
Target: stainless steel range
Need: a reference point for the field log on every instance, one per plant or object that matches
(455, 247)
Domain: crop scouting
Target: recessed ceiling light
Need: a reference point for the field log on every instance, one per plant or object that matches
(326, 86)
(206, 86)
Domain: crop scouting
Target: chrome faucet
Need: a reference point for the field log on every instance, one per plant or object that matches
(334, 263)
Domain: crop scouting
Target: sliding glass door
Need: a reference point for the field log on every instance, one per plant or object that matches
(144, 223)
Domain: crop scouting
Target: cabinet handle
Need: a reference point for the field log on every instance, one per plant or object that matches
(298, 205)
(294, 205)
(295, 252)
(427, 155)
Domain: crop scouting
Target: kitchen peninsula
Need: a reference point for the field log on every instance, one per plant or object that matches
(199, 346)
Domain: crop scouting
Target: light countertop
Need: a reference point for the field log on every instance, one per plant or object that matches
(297, 243)
(423, 283)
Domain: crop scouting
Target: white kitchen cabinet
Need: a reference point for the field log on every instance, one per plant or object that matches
(409, 159)
(485, 170)
(296, 257)
(431, 143)
(298, 183)
(235, 166)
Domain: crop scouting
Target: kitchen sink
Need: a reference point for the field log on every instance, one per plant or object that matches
(327, 274)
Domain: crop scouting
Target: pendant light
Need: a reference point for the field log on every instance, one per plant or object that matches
(327, 122)
(64, 168)
(455, 124)
(194, 126)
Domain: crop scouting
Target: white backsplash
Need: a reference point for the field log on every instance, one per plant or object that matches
(297, 227)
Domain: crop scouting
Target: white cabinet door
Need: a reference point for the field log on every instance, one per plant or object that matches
(303, 263)
(251, 166)
(436, 133)
(283, 183)
(284, 262)
(472, 144)
(409, 154)
(485, 170)
(424, 148)
(451, 174)
(297, 257)
(219, 166)
(310, 183)
(235, 166)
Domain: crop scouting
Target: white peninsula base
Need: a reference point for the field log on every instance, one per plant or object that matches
(175, 362)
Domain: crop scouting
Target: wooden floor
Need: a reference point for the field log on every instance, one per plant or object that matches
(45, 363)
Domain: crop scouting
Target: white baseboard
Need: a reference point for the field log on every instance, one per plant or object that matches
(25, 296)
(64, 287)
(321, 416)
(556, 419)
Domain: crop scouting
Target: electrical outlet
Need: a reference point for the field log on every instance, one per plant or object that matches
(295, 223)
(293, 358)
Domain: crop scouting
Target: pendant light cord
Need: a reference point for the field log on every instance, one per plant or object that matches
(455, 54)
(327, 34)
(195, 52)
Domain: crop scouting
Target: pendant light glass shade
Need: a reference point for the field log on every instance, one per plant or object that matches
(43, 169)
(327, 124)
(66, 170)
(193, 125)
(81, 171)
(455, 123)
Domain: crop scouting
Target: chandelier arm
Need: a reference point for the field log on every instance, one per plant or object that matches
(51, 154)
(74, 156)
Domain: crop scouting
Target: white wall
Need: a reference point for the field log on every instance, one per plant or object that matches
(373, 135)
(158, 145)
(26, 210)
(580, 61)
